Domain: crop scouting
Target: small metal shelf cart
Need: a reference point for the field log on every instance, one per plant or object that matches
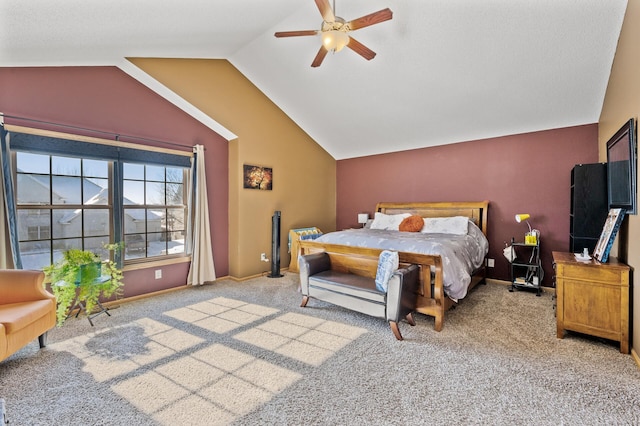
(526, 267)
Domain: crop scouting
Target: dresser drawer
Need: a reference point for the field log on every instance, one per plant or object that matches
(580, 272)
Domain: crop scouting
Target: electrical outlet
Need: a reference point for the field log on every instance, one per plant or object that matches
(263, 257)
(158, 274)
(491, 263)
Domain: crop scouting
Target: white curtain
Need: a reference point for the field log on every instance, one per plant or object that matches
(202, 269)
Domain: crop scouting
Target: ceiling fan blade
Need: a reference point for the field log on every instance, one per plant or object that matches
(320, 57)
(361, 49)
(325, 10)
(296, 33)
(372, 18)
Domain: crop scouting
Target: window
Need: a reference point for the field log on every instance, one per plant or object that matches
(38, 232)
(62, 203)
(154, 210)
(68, 201)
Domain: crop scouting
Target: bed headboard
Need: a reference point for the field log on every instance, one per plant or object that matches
(474, 210)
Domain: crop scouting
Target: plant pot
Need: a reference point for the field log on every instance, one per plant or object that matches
(88, 273)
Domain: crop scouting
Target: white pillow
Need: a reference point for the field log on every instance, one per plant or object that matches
(456, 225)
(390, 222)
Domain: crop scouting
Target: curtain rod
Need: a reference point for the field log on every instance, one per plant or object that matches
(116, 136)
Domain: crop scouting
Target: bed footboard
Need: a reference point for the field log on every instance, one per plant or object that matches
(434, 305)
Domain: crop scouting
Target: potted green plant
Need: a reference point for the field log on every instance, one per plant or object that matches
(82, 277)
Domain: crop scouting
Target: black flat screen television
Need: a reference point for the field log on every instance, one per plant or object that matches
(621, 168)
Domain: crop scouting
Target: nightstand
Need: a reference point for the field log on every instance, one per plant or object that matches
(592, 298)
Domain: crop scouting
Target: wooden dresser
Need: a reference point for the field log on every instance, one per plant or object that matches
(592, 298)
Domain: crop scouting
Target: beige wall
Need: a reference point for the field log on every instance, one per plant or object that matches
(622, 102)
(304, 175)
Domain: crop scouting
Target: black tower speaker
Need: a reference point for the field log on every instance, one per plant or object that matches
(275, 245)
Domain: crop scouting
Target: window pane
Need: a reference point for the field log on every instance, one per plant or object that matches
(134, 221)
(59, 246)
(66, 190)
(133, 171)
(96, 222)
(96, 245)
(135, 246)
(133, 192)
(95, 168)
(155, 220)
(176, 243)
(175, 219)
(156, 244)
(35, 255)
(175, 195)
(175, 175)
(33, 189)
(65, 166)
(32, 163)
(67, 223)
(96, 191)
(155, 193)
(155, 173)
(30, 219)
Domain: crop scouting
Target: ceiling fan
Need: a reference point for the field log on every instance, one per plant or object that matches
(335, 31)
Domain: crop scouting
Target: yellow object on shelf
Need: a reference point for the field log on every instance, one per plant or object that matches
(531, 239)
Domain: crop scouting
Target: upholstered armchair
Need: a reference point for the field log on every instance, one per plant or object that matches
(27, 310)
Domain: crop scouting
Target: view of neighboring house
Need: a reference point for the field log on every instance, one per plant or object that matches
(63, 228)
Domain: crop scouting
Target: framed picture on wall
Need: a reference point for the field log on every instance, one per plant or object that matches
(257, 177)
(609, 232)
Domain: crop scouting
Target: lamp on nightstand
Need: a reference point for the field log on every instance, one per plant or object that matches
(530, 237)
(363, 218)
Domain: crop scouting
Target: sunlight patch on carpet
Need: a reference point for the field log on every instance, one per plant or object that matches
(304, 352)
(220, 314)
(262, 339)
(300, 337)
(162, 370)
(150, 391)
(283, 328)
(222, 357)
(217, 382)
(217, 325)
(148, 341)
(190, 373)
(193, 410)
(176, 339)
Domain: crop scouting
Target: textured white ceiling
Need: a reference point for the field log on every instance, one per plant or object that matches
(446, 70)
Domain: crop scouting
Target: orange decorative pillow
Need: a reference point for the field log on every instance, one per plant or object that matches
(413, 223)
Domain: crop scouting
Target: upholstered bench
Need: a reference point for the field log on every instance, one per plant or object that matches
(349, 281)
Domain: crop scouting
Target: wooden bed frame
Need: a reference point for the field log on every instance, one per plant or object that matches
(433, 303)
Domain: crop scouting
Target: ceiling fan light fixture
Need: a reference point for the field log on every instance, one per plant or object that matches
(334, 31)
(334, 40)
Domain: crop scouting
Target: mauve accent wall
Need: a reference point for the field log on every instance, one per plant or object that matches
(527, 173)
(107, 99)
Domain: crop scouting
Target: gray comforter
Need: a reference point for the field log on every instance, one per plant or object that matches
(461, 254)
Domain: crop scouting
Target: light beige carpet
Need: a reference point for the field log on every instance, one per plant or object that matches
(246, 353)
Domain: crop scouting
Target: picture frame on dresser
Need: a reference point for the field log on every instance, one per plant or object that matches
(609, 232)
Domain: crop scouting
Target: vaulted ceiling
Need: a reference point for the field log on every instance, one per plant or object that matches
(446, 71)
